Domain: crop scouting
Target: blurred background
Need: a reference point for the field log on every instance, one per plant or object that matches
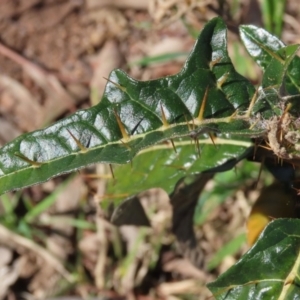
(56, 239)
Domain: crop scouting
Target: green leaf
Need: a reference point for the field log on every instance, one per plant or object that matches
(134, 115)
(160, 166)
(272, 94)
(278, 112)
(276, 70)
(265, 48)
(269, 270)
(292, 83)
(261, 45)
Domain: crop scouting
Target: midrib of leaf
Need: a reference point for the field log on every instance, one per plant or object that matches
(289, 281)
(163, 167)
(293, 80)
(91, 155)
(274, 259)
(262, 40)
(255, 39)
(269, 51)
(217, 141)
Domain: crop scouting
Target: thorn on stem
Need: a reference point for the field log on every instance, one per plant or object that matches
(222, 80)
(123, 89)
(188, 124)
(35, 164)
(288, 107)
(136, 126)
(252, 102)
(260, 171)
(212, 137)
(214, 62)
(163, 116)
(78, 143)
(198, 147)
(112, 171)
(172, 142)
(230, 118)
(254, 124)
(203, 104)
(255, 149)
(121, 127)
(126, 145)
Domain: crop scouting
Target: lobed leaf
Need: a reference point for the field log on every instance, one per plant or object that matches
(134, 115)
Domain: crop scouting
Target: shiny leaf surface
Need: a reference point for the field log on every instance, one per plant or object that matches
(160, 166)
(261, 45)
(269, 270)
(134, 115)
(271, 99)
(265, 48)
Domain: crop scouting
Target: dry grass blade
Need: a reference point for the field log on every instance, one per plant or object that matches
(10, 238)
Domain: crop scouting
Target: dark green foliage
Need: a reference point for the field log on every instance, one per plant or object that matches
(208, 101)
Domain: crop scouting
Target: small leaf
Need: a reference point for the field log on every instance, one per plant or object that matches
(260, 44)
(276, 70)
(273, 91)
(269, 270)
(265, 47)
